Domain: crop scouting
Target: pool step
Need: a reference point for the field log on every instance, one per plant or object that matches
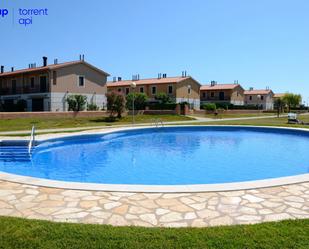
(14, 154)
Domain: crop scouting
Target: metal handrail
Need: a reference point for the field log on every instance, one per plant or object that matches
(156, 122)
(32, 139)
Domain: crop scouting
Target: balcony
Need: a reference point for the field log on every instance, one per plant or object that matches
(23, 90)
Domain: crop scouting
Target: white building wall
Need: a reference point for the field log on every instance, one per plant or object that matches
(58, 100)
(196, 103)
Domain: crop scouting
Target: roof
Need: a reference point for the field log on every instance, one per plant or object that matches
(255, 92)
(52, 67)
(151, 81)
(279, 95)
(219, 87)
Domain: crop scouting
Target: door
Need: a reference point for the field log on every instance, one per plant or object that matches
(43, 84)
(38, 105)
(221, 95)
(13, 86)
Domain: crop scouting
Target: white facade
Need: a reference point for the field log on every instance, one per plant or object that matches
(195, 103)
(59, 103)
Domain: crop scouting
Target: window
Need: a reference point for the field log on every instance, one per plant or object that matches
(81, 81)
(189, 90)
(32, 82)
(170, 89)
(204, 95)
(212, 94)
(141, 89)
(54, 78)
(237, 94)
(262, 97)
(119, 90)
(127, 90)
(153, 90)
(250, 97)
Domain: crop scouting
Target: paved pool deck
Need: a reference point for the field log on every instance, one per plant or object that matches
(155, 209)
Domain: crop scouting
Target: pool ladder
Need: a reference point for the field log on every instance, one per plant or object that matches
(157, 122)
(32, 140)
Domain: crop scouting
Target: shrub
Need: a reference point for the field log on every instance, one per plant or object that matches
(92, 107)
(209, 107)
(139, 101)
(163, 98)
(115, 104)
(76, 102)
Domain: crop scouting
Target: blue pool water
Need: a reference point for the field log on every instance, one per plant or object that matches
(169, 156)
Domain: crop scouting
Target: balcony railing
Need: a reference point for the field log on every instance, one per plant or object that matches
(24, 90)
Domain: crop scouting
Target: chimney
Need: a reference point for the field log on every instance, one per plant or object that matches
(159, 75)
(2, 69)
(119, 78)
(114, 79)
(44, 61)
(55, 61)
(12, 69)
(251, 88)
(80, 57)
(83, 57)
(213, 83)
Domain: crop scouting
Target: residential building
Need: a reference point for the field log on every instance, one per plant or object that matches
(261, 98)
(180, 89)
(278, 96)
(46, 88)
(222, 93)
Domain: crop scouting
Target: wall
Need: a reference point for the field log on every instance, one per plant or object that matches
(67, 80)
(267, 101)
(59, 103)
(182, 93)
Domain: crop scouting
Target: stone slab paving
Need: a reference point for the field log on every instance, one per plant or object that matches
(155, 209)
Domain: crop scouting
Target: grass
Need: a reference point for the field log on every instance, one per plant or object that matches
(260, 122)
(232, 115)
(53, 123)
(25, 234)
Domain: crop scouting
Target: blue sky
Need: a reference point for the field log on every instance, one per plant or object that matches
(259, 43)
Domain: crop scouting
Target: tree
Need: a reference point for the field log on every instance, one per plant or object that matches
(279, 105)
(76, 102)
(115, 104)
(163, 98)
(292, 100)
(139, 101)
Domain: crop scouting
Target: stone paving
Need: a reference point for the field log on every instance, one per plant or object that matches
(155, 209)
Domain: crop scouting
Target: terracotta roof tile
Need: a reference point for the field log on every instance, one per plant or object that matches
(219, 87)
(48, 67)
(151, 81)
(254, 92)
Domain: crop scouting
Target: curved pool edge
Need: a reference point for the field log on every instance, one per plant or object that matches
(190, 188)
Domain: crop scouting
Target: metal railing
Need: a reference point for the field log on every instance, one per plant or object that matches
(157, 122)
(32, 139)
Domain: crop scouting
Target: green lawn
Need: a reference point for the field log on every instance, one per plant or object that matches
(23, 234)
(50, 123)
(260, 122)
(233, 115)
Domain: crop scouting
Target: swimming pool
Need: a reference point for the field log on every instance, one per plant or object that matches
(169, 156)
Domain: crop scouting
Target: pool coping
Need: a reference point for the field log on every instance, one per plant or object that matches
(136, 188)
